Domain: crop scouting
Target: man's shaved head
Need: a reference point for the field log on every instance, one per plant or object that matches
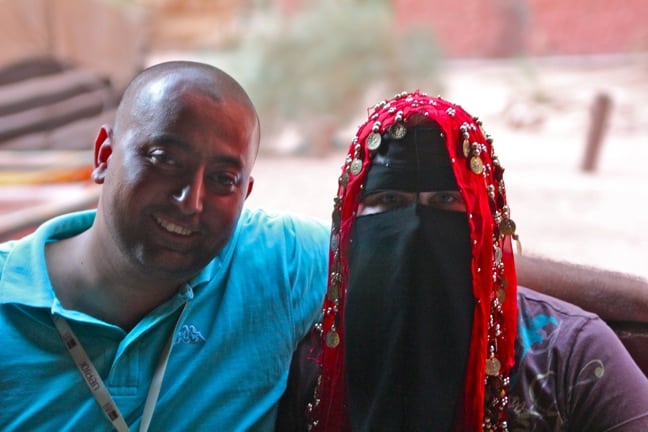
(157, 87)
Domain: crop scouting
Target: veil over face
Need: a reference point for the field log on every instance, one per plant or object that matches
(419, 320)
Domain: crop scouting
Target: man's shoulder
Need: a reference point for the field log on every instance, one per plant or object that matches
(260, 221)
(283, 236)
(5, 249)
(22, 254)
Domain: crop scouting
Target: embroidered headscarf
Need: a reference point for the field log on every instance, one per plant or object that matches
(454, 276)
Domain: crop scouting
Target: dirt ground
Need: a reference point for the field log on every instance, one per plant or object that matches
(539, 115)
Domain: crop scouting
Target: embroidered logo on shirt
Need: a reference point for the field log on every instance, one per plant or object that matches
(189, 334)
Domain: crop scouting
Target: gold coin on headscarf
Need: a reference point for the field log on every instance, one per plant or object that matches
(373, 141)
(507, 227)
(501, 295)
(344, 179)
(397, 130)
(476, 165)
(465, 147)
(333, 292)
(336, 216)
(497, 254)
(335, 241)
(493, 366)
(356, 166)
(495, 387)
(332, 339)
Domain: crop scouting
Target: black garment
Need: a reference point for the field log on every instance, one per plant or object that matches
(419, 162)
(408, 319)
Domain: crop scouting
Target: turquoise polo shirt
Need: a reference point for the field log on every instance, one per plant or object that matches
(229, 362)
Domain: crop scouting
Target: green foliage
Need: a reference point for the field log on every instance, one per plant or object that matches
(323, 61)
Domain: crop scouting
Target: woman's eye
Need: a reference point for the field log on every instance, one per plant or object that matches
(444, 200)
(382, 199)
(395, 200)
(385, 201)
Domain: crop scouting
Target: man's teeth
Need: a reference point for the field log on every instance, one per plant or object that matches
(171, 227)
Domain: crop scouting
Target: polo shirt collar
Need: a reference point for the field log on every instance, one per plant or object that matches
(28, 282)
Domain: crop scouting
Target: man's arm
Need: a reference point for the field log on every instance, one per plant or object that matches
(612, 295)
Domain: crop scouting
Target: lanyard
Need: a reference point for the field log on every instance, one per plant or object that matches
(96, 384)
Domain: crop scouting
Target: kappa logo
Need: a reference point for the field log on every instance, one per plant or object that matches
(189, 334)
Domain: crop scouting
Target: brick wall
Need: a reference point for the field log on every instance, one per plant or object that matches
(495, 28)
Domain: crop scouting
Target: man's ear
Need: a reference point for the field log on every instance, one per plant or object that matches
(102, 152)
(250, 186)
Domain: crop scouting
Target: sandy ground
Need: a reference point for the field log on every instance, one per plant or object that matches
(539, 116)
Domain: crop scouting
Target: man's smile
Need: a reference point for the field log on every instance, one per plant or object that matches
(173, 227)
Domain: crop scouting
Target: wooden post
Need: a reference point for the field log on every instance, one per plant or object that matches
(600, 113)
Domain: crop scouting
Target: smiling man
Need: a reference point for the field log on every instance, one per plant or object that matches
(170, 306)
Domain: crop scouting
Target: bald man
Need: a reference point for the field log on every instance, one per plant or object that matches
(169, 307)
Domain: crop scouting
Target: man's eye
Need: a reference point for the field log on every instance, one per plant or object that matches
(224, 183)
(226, 179)
(159, 156)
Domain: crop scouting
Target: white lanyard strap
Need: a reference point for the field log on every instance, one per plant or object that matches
(90, 374)
(96, 384)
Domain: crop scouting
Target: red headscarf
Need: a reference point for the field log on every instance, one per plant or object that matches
(479, 177)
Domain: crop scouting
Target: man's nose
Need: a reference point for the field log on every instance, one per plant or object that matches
(190, 196)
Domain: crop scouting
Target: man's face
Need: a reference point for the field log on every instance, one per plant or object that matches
(176, 179)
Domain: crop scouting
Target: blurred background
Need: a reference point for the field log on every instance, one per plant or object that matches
(561, 86)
